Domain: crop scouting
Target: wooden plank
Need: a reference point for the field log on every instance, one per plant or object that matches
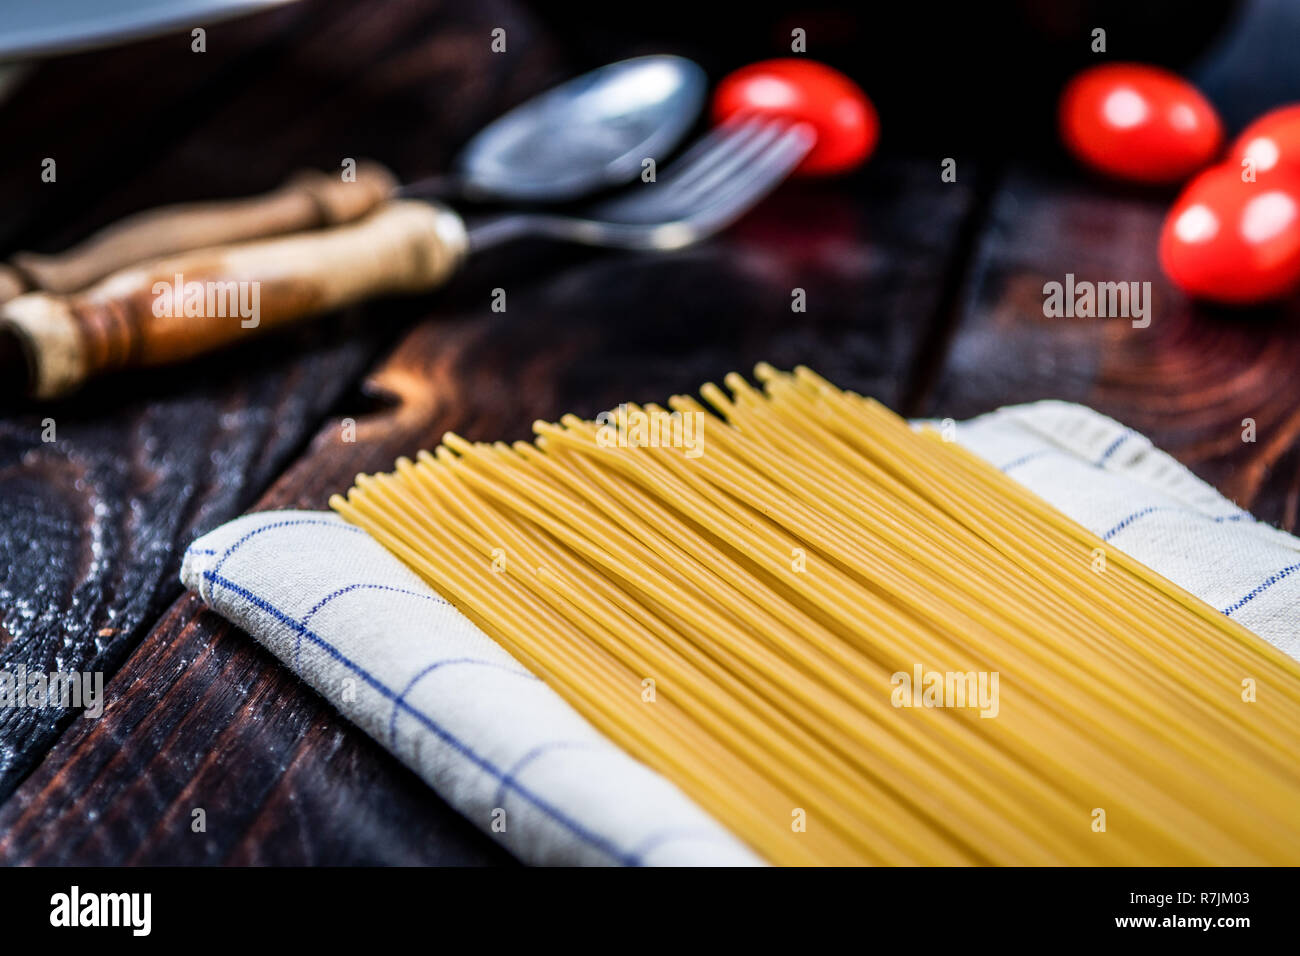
(93, 521)
(156, 766)
(92, 524)
(199, 718)
(1188, 381)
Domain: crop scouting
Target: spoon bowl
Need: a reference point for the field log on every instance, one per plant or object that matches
(585, 135)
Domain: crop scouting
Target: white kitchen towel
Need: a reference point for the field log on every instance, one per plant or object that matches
(509, 754)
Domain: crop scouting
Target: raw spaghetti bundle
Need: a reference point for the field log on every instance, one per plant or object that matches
(852, 642)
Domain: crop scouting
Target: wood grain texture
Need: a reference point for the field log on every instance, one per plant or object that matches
(94, 520)
(1188, 381)
(201, 718)
(238, 750)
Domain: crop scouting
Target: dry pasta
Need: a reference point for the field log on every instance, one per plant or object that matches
(853, 642)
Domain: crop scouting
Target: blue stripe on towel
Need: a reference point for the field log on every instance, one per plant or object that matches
(401, 698)
(297, 647)
(1154, 508)
(1025, 459)
(1113, 447)
(289, 522)
(1267, 583)
(532, 755)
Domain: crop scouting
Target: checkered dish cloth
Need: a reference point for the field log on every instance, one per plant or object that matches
(502, 748)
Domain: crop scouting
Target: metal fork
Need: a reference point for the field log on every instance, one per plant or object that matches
(711, 185)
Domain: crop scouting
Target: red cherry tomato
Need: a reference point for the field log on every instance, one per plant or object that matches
(845, 120)
(1271, 143)
(1138, 122)
(1232, 241)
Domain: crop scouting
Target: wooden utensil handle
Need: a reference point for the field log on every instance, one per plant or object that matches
(307, 201)
(171, 309)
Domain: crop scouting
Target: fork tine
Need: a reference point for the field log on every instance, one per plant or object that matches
(746, 188)
(712, 149)
(715, 147)
(686, 195)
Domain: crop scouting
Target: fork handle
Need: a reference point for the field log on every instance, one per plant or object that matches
(172, 309)
(308, 200)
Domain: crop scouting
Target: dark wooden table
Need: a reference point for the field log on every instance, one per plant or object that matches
(924, 293)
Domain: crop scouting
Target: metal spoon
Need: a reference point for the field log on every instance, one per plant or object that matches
(587, 134)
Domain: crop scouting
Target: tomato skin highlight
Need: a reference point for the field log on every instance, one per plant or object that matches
(1138, 122)
(846, 123)
(1234, 242)
(1271, 142)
